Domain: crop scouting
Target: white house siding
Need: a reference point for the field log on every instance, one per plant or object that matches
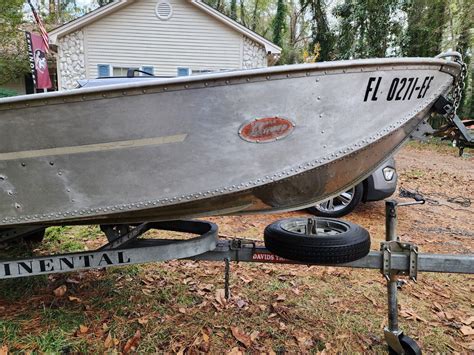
(136, 37)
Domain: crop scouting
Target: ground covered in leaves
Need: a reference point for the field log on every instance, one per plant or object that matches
(180, 307)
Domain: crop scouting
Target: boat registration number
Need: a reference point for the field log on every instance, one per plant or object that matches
(400, 89)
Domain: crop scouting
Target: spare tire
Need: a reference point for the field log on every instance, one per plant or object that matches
(335, 242)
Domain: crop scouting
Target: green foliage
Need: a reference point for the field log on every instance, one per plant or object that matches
(425, 23)
(7, 93)
(279, 23)
(13, 56)
(233, 10)
(464, 46)
(366, 28)
(320, 32)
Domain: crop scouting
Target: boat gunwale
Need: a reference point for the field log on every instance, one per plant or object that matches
(346, 66)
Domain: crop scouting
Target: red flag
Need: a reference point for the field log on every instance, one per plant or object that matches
(38, 61)
(44, 34)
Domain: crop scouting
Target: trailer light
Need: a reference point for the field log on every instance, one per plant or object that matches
(388, 173)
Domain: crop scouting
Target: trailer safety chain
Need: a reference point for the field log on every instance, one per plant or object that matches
(458, 88)
(459, 200)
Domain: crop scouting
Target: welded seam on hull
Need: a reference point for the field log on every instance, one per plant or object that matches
(74, 214)
(89, 148)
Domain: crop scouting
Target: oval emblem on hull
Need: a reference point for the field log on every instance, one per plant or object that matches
(266, 129)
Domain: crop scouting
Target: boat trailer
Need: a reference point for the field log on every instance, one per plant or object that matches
(394, 259)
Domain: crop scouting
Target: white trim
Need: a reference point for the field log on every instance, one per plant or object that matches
(242, 44)
(95, 15)
(85, 46)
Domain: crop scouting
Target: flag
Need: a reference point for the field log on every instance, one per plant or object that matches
(38, 62)
(44, 34)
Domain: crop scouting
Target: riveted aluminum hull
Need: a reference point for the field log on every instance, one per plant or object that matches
(170, 149)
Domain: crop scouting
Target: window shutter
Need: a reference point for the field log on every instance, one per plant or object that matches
(103, 70)
(184, 71)
(149, 70)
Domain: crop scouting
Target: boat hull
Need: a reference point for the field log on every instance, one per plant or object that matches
(175, 149)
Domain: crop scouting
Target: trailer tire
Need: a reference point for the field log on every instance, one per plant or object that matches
(337, 241)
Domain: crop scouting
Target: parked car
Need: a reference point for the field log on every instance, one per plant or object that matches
(378, 186)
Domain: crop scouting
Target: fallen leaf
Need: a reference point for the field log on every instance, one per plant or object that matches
(468, 321)
(108, 341)
(241, 303)
(205, 337)
(246, 280)
(467, 330)
(241, 336)
(235, 351)
(371, 300)
(4, 350)
(132, 343)
(206, 288)
(83, 329)
(254, 335)
(182, 310)
(205, 346)
(72, 298)
(147, 291)
(142, 320)
(60, 291)
(304, 341)
(281, 298)
(220, 297)
(448, 315)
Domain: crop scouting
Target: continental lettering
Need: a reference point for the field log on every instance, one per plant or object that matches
(62, 263)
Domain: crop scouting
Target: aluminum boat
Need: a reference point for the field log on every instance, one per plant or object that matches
(236, 142)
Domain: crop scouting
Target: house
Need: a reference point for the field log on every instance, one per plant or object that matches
(161, 37)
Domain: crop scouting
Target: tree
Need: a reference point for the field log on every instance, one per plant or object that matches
(13, 55)
(458, 35)
(366, 28)
(279, 23)
(426, 20)
(103, 2)
(233, 10)
(322, 36)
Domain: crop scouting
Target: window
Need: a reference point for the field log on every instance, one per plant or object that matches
(147, 69)
(184, 71)
(103, 70)
(119, 71)
(107, 70)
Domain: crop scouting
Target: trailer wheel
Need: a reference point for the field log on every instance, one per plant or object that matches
(320, 240)
(410, 347)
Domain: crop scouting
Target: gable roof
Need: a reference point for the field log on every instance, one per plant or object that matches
(101, 12)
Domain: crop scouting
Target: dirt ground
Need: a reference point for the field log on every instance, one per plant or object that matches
(179, 307)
